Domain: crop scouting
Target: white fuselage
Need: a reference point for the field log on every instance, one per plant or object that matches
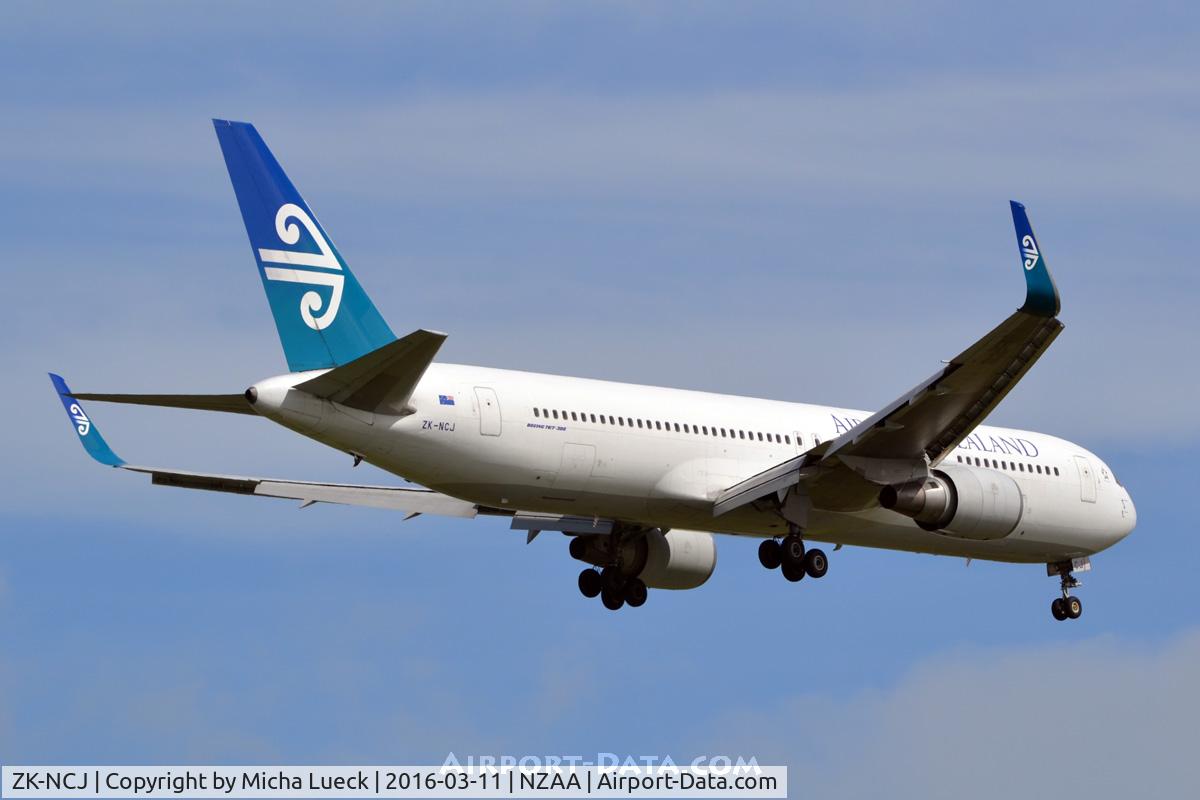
(655, 456)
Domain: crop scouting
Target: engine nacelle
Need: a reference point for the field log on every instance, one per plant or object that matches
(678, 559)
(959, 501)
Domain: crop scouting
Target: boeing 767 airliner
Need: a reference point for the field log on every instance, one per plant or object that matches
(640, 477)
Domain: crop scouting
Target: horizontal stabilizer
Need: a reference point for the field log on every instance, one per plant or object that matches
(383, 380)
(229, 403)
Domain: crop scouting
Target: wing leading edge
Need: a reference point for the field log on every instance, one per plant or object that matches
(925, 424)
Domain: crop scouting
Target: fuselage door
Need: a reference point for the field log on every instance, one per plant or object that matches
(1087, 480)
(489, 411)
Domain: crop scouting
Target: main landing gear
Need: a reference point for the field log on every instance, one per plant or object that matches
(614, 576)
(613, 588)
(1068, 606)
(791, 557)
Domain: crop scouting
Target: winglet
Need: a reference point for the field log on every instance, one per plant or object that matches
(89, 435)
(1041, 296)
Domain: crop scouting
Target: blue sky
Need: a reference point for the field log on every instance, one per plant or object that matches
(768, 200)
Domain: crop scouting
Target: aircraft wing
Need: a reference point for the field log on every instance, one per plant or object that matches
(229, 403)
(412, 500)
(922, 426)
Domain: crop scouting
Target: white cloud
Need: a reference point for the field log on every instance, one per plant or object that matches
(1106, 718)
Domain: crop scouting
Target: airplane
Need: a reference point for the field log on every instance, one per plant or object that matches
(640, 478)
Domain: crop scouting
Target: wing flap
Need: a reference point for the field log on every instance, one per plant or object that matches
(416, 501)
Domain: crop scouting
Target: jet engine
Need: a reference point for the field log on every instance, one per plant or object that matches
(677, 559)
(957, 501)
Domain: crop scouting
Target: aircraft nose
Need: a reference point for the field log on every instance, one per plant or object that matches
(1130, 515)
(1126, 520)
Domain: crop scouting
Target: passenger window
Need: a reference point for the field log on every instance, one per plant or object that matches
(556, 414)
(677, 427)
(593, 417)
(535, 413)
(1056, 472)
(741, 434)
(760, 436)
(573, 417)
(723, 432)
(1039, 469)
(788, 439)
(657, 425)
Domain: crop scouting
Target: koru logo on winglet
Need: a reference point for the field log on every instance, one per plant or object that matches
(82, 423)
(1029, 248)
(311, 302)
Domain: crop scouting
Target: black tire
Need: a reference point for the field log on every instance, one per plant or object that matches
(1057, 609)
(816, 564)
(590, 583)
(612, 581)
(636, 593)
(578, 548)
(770, 554)
(792, 572)
(792, 550)
(612, 602)
(1073, 607)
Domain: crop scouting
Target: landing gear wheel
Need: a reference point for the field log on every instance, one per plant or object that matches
(792, 550)
(815, 563)
(636, 593)
(792, 572)
(612, 581)
(590, 583)
(1073, 607)
(612, 601)
(1056, 608)
(770, 554)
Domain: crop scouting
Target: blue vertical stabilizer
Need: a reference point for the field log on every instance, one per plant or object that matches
(323, 316)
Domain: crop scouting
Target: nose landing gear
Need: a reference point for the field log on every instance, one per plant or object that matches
(1068, 606)
(791, 557)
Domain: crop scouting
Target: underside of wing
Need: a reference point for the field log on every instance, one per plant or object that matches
(411, 500)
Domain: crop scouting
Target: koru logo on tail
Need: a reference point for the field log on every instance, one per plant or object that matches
(311, 302)
(82, 423)
(1029, 248)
